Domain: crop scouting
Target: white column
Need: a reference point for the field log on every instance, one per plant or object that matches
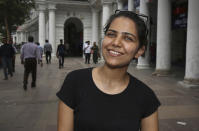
(25, 37)
(47, 28)
(143, 62)
(192, 46)
(105, 16)
(41, 25)
(95, 25)
(131, 5)
(17, 34)
(119, 5)
(52, 27)
(163, 61)
(22, 37)
(106, 11)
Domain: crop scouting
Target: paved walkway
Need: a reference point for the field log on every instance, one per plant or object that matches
(36, 109)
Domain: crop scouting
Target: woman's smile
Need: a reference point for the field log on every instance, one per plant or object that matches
(114, 53)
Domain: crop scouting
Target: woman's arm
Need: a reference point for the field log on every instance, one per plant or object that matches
(150, 123)
(65, 118)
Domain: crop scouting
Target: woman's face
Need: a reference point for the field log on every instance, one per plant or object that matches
(121, 43)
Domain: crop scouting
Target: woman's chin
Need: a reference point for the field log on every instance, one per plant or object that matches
(114, 65)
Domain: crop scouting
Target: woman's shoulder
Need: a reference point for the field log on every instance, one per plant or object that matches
(148, 101)
(79, 73)
(141, 86)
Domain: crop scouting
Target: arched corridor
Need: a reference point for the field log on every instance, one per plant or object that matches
(73, 36)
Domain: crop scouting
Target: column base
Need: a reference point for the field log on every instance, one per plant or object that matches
(101, 60)
(189, 83)
(143, 66)
(161, 73)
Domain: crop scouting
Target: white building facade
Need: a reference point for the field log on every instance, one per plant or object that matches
(78, 21)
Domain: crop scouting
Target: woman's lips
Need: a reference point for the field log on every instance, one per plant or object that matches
(114, 53)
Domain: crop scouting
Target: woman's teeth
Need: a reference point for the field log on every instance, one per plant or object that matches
(114, 52)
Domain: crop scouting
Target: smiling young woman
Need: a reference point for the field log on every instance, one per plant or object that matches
(121, 43)
(108, 98)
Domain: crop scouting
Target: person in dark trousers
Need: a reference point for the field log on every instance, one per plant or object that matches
(87, 50)
(60, 54)
(7, 53)
(48, 51)
(29, 55)
(95, 50)
(40, 50)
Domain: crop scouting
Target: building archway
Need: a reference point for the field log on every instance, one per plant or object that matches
(73, 36)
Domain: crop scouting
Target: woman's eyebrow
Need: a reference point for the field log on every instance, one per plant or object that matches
(127, 33)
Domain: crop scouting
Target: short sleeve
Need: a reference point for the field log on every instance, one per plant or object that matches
(67, 93)
(151, 103)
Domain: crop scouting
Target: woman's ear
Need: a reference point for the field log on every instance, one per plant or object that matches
(140, 52)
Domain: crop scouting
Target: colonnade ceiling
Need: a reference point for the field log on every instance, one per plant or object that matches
(180, 1)
(64, 4)
(61, 1)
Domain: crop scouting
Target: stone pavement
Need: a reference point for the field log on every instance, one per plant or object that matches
(36, 109)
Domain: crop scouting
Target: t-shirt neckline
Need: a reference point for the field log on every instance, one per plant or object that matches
(106, 94)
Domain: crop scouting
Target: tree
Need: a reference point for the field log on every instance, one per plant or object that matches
(12, 14)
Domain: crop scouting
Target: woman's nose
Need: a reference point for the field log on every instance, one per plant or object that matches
(117, 41)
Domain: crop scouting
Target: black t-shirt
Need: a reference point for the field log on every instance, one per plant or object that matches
(95, 110)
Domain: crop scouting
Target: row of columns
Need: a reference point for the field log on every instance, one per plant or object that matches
(163, 62)
(42, 25)
(163, 51)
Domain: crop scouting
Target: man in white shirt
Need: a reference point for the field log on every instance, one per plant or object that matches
(87, 51)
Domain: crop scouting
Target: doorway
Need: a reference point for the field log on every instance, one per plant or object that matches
(73, 36)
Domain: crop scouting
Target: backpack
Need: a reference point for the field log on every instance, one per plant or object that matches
(61, 50)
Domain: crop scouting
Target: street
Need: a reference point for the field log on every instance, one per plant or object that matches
(36, 109)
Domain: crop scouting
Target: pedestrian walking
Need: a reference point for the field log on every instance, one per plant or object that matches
(40, 51)
(108, 98)
(84, 45)
(48, 51)
(14, 57)
(87, 50)
(60, 54)
(29, 55)
(7, 53)
(95, 52)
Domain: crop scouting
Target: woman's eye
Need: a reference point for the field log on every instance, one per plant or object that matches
(110, 34)
(127, 38)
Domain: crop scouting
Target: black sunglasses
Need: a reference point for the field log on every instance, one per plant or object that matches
(145, 18)
(142, 16)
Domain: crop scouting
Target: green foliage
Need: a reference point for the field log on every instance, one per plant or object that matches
(15, 11)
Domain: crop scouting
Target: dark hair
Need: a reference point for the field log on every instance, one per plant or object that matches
(30, 39)
(139, 22)
(61, 41)
(46, 40)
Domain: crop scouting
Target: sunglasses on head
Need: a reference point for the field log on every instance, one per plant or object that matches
(145, 18)
(142, 16)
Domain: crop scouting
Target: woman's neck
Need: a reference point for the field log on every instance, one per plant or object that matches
(111, 80)
(112, 75)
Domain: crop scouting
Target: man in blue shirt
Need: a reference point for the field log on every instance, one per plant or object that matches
(29, 55)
